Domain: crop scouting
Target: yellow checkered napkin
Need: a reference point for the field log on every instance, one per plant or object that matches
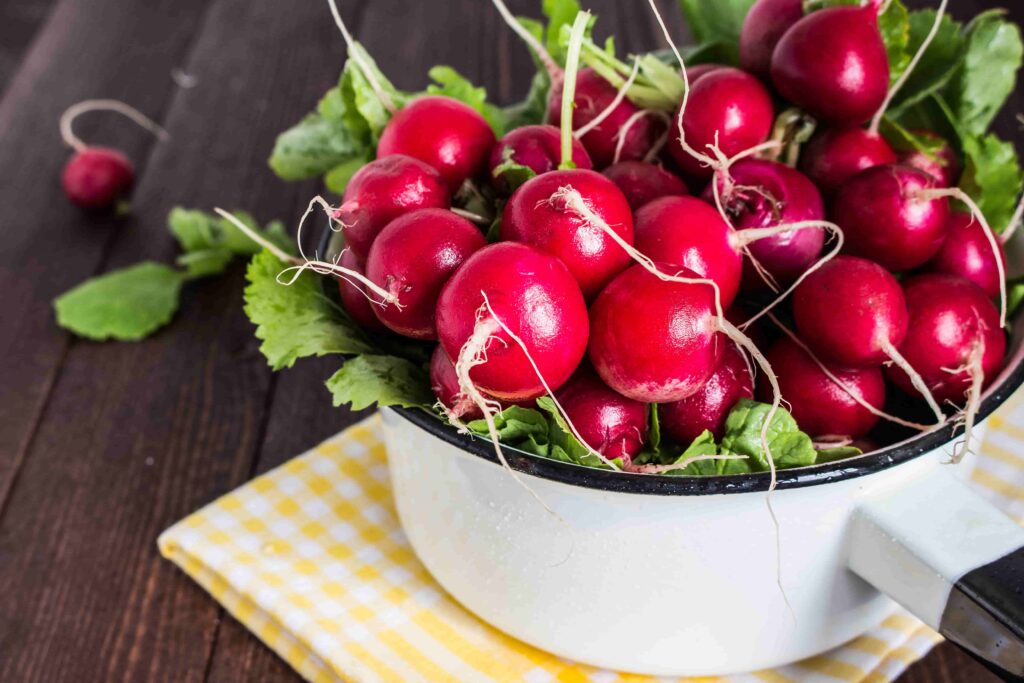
(311, 558)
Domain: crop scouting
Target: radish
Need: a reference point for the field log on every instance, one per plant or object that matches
(536, 214)
(613, 425)
(97, 177)
(642, 182)
(354, 297)
(835, 155)
(766, 22)
(536, 147)
(833, 64)
(822, 406)
(941, 165)
(445, 385)
(687, 419)
(888, 217)
(967, 252)
(412, 258)
(383, 190)
(450, 136)
(698, 71)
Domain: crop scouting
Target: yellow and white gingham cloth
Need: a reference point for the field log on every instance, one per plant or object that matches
(311, 558)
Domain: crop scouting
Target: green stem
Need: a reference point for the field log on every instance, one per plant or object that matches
(572, 66)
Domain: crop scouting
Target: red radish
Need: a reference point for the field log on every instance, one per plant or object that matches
(821, 406)
(354, 297)
(967, 252)
(887, 216)
(642, 182)
(536, 147)
(835, 155)
(941, 165)
(536, 215)
(445, 384)
(412, 258)
(445, 133)
(698, 71)
(531, 293)
(611, 424)
(833, 64)
(383, 190)
(766, 22)
(730, 381)
(727, 107)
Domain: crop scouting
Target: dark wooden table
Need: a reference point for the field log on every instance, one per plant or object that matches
(102, 446)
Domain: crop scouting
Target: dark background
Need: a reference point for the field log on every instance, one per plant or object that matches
(102, 446)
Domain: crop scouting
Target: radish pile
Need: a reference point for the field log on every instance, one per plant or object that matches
(782, 252)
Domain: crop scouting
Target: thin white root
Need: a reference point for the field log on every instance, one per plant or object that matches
(72, 112)
(970, 412)
(368, 73)
(550, 65)
(283, 256)
(876, 121)
(661, 469)
(831, 441)
(915, 379)
(658, 145)
(1015, 221)
(619, 96)
(332, 218)
(470, 216)
(572, 65)
(623, 133)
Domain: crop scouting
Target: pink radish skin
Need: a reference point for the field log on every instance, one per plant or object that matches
(642, 183)
(384, 190)
(966, 252)
(592, 256)
(943, 166)
(536, 147)
(833, 64)
(654, 340)
(688, 232)
(412, 258)
(884, 220)
(698, 71)
(767, 194)
(611, 424)
(536, 297)
(448, 135)
(354, 297)
(948, 317)
(731, 103)
(835, 155)
(849, 310)
(685, 420)
(593, 96)
(96, 177)
(820, 406)
(766, 23)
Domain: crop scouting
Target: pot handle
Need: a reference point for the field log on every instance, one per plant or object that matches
(947, 555)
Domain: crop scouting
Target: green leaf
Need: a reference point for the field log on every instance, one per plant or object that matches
(385, 380)
(559, 13)
(534, 108)
(200, 231)
(511, 173)
(1014, 295)
(451, 83)
(702, 445)
(205, 263)
(561, 438)
(992, 177)
(937, 64)
(903, 140)
(839, 453)
(718, 21)
(362, 106)
(515, 425)
(297, 320)
(337, 178)
(789, 446)
(894, 24)
(127, 304)
(933, 114)
(313, 147)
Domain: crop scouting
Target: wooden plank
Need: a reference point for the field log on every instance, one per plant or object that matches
(947, 664)
(19, 22)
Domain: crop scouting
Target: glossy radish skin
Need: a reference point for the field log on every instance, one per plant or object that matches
(966, 252)
(848, 309)
(766, 23)
(537, 147)
(835, 155)
(354, 297)
(641, 182)
(731, 103)
(698, 71)
(685, 420)
(383, 190)
(610, 423)
(593, 95)
(536, 297)
(651, 340)
(949, 316)
(884, 220)
(412, 258)
(942, 165)
(450, 136)
(97, 177)
(591, 255)
(767, 194)
(833, 64)
(689, 232)
(820, 406)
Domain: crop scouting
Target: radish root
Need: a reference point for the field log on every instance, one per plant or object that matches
(619, 96)
(354, 53)
(72, 112)
(915, 378)
(555, 72)
(969, 414)
(623, 133)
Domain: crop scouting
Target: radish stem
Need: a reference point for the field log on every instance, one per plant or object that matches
(572, 65)
(72, 112)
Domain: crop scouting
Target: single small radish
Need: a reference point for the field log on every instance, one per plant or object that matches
(833, 64)
(835, 155)
(698, 71)
(941, 165)
(412, 258)
(766, 23)
(445, 384)
(886, 217)
(513, 286)
(383, 190)
(537, 215)
(450, 136)
(821, 406)
(967, 252)
(355, 299)
(727, 107)
(536, 147)
(730, 381)
(642, 182)
(610, 423)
